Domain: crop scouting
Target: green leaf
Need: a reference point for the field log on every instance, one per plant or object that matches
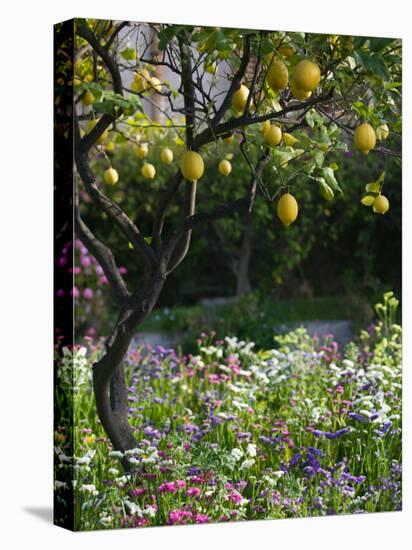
(310, 119)
(329, 176)
(372, 62)
(166, 35)
(368, 200)
(377, 44)
(319, 158)
(129, 54)
(372, 187)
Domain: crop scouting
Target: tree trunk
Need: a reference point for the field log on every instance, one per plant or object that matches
(109, 383)
(243, 285)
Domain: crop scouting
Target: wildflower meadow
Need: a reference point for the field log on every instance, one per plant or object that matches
(234, 432)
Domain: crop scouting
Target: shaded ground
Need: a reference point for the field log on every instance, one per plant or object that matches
(341, 329)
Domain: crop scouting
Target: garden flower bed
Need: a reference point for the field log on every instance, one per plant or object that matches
(235, 433)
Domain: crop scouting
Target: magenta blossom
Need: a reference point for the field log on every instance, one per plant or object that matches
(75, 292)
(168, 487)
(193, 491)
(201, 518)
(235, 497)
(87, 293)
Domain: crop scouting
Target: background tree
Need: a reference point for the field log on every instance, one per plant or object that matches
(221, 83)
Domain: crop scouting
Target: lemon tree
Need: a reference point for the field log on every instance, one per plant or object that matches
(289, 102)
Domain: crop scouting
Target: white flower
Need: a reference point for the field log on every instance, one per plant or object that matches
(134, 451)
(244, 502)
(113, 471)
(106, 520)
(236, 454)
(149, 511)
(89, 488)
(134, 509)
(121, 481)
(251, 450)
(116, 454)
(246, 464)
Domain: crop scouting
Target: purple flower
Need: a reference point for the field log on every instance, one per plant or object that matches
(357, 417)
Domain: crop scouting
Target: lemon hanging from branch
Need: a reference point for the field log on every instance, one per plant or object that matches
(364, 138)
(166, 156)
(380, 204)
(191, 166)
(148, 171)
(111, 177)
(273, 136)
(277, 76)
(141, 150)
(287, 209)
(225, 167)
(306, 75)
(239, 98)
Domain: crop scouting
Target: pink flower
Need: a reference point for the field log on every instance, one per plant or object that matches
(75, 292)
(235, 497)
(180, 483)
(85, 261)
(138, 491)
(103, 280)
(193, 492)
(201, 518)
(168, 487)
(87, 293)
(122, 270)
(179, 516)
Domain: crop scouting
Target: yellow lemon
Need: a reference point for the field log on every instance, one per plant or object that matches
(273, 135)
(380, 204)
(111, 176)
(141, 150)
(286, 50)
(383, 132)
(148, 171)
(287, 209)
(239, 98)
(277, 76)
(89, 127)
(288, 139)
(225, 167)
(364, 138)
(191, 166)
(306, 75)
(166, 155)
(110, 146)
(265, 125)
(297, 92)
(88, 98)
